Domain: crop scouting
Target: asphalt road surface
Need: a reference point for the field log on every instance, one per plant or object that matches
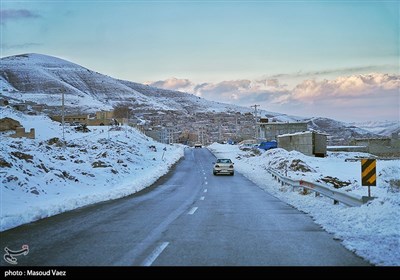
(189, 217)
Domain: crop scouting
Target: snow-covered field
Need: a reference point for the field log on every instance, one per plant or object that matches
(40, 178)
(372, 231)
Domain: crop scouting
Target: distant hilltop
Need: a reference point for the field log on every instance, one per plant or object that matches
(41, 78)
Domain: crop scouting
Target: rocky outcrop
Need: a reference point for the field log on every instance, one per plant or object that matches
(8, 124)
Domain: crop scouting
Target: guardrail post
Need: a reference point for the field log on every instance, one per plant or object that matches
(316, 194)
(335, 202)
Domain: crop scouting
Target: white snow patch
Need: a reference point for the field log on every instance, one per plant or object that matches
(58, 179)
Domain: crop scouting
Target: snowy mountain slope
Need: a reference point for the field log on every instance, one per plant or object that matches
(339, 132)
(40, 178)
(384, 128)
(42, 79)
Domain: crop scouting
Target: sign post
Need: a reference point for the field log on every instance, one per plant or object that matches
(368, 173)
(165, 148)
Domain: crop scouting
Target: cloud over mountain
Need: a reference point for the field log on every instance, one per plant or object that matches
(346, 87)
(172, 84)
(377, 92)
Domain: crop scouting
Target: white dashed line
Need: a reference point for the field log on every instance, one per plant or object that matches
(205, 178)
(154, 255)
(191, 212)
(205, 190)
(206, 183)
(202, 198)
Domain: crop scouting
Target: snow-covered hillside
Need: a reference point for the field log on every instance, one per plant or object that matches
(384, 128)
(372, 230)
(339, 132)
(42, 79)
(40, 177)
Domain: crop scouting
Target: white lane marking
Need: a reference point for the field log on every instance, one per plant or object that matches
(205, 190)
(202, 198)
(191, 212)
(154, 255)
(205, 178)
(206, 183)
(204, 173)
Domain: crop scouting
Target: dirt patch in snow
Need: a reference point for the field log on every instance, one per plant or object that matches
(299, 165)
(335, 182)
(20, 155)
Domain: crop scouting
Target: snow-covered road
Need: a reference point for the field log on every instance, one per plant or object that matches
(371, 231)
(188, 218)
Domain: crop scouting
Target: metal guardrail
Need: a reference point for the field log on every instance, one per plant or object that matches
(325, 190)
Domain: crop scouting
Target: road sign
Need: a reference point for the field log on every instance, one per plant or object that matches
(368, 172)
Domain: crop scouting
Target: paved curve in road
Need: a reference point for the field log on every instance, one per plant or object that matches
(189, 217)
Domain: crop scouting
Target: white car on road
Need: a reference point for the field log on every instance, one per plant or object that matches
(223, 166)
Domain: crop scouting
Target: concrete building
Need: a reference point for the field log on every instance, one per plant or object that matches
(380, 146)
(270, 130)
(20, 132)
(395, 141)
(166, 135)
(101, 118)
(360, 149)
(309, 143)
(104, 115)
(38, 107)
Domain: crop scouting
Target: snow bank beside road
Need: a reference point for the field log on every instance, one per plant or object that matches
(372, 231)
(41, 178)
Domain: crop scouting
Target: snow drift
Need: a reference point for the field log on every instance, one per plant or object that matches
(41, 177)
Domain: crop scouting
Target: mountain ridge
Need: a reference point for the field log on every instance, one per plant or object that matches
(38, 73)
(42, 79)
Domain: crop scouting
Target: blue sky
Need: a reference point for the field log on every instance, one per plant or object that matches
(202, 46)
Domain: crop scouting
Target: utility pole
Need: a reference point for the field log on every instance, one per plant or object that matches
(255, 120)
(62, 115)
(127, 122)
(236, 127)
(219, 131)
